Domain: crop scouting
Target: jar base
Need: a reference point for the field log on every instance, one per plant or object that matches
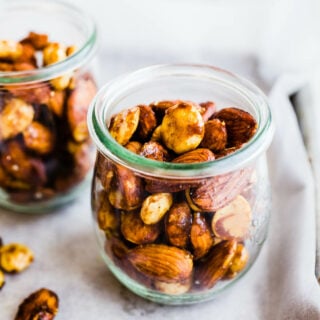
(48, 205)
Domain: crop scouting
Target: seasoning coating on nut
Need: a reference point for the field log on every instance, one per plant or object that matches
(15, 257)
(182, 128)
(194, 156)
(147, 122)
(154, 207)
(155, 151)
(40, 305)
(124, 124)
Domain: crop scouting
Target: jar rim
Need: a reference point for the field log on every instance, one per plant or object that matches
(148, 167)
(76, 60)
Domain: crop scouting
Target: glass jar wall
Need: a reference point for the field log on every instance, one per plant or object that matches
(179, 233)
(46, 86)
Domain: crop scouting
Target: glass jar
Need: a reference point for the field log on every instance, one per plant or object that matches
(216, 252)
(46, 86)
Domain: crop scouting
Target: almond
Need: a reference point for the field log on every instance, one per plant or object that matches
(241, 126)
(200, 236)
(136, 231)
(197, 155)
(147, 122)
(215, 265)
(218, 191)
(215, 135)
(178, 224)
(162, 263)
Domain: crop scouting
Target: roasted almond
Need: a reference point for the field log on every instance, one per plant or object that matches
(201, 236)
(207, 110)
(178, 224)
(241, 126)
(136, 231)
(218, 191)
(162, 263)
(215, 265)
(197, 155)
(215, 135)
(173, 288)
(147, 122)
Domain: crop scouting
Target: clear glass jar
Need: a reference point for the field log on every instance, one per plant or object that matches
(156, 268)
(46, 86)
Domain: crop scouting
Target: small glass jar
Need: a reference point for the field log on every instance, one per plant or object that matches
(144, 257)
(46, 86)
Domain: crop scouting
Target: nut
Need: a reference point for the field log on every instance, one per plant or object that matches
(147, 122)
(28, 54)
(127, 192)
(56, 102)
(241, 126)
(77, 107)
(162, 263)
(108, 218)
(182, 128)
(53, 52)
(134, 146)
(38, 138)
(197, 155)
(160, 108)
(10, 50)
(15, 257)
(207, 110)
(154, 207)
(156, 135)
(124, 124)
(233, 221)
(239, 261)
(173, 288)
(136, 231)
(16, 116)
(178, 224)
(2, 280)
(200, 236)
(20, 166)
(37, 40)
(155, 151)
(215, 265)
(215, 135)
(218, 191)
(39, 94)
(40, 305)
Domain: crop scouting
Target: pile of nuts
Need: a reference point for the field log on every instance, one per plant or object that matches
(176, 236)
(44, 142)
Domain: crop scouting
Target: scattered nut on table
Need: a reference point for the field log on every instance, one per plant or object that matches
(40, 305)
